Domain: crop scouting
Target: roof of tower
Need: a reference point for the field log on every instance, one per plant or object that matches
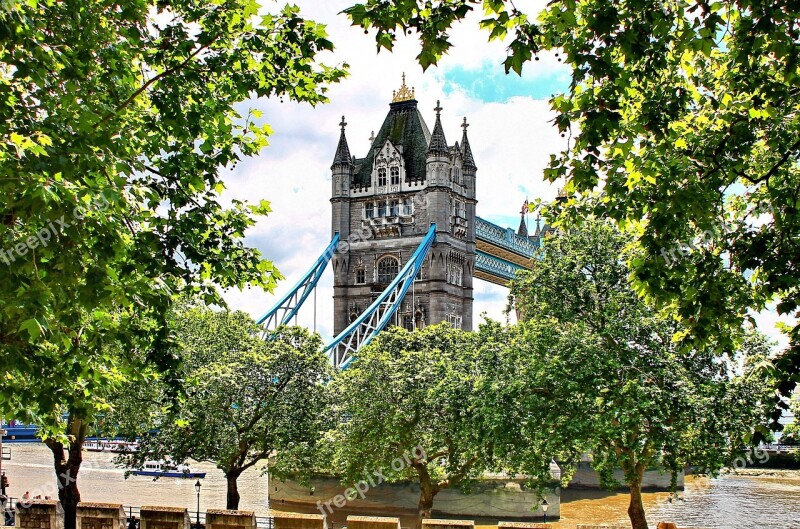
(466, 151)
(438, 144)
(342, 150)
(403, 126)
(523, 226)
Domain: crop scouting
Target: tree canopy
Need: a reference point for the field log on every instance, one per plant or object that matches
(412, 394)
(246, 398)
(117, 123)
(595, 370)
(683, 117)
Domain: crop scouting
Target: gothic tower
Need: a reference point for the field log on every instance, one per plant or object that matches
(384, 203)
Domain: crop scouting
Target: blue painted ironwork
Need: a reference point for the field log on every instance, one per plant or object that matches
(343, 348)
(496, 266)
(286, 309)
(505, 238)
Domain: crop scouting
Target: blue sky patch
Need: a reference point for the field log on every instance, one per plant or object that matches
(488, 82)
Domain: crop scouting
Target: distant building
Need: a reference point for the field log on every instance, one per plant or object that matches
(384, 204)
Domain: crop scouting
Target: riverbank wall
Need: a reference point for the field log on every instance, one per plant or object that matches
(488, 498)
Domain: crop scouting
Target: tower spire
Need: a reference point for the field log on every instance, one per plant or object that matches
(523, 225)
(438, 144)
(466, 151)
(342, 150)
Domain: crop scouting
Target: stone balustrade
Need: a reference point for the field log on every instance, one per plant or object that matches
(294, 520)
(154, 517)
(100, 516)
(432, 523)
(372, 522)
(227, 519)
(39, 514)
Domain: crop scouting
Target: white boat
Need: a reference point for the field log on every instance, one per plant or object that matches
(105, 445)
(163, 469)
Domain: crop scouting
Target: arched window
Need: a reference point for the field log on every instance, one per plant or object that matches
(395, 172)
(388, 267)
(381, 177)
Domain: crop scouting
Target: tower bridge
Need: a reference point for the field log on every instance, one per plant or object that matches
(406, 242)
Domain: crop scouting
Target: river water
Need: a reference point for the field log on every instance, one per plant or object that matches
(730, 502)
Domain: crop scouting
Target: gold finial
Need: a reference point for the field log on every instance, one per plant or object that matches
(404, 94)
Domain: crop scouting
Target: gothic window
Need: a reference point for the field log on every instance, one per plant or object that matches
(455, 274)
(388, 267)
(381, 209)
(407, 207)
(455, 320)
(369, 210)
(381, 177)
(361, 276)
(408, 322)
(395, 172)
(394, 209)
(458, 209)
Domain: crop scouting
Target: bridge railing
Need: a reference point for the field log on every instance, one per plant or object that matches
(505, 238)
(496, 266)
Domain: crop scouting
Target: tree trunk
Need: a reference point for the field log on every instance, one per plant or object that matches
(636, 509)
(67, 467)
(232, 501)
(425, 506)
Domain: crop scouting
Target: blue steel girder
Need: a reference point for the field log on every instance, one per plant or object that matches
(495, 269)
(343, 348)
(287, 307)
(505, 239)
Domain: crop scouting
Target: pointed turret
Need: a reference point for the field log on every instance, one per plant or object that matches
(342, 150)
(522, 231)
(438, 144)
(466, 151)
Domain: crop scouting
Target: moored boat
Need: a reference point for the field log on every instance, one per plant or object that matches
(114, 446)
(163, 469)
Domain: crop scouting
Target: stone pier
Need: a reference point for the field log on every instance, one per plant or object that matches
(433, 523)
(100, 516)
(294, 520)
(227, 519)
(39, 514)
(153, 517)
(372, 522)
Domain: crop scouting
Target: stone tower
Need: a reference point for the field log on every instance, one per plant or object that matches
(384, 203)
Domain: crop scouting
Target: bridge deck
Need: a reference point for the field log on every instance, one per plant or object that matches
(501, 252)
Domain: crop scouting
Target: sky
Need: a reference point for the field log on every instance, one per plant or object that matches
(511, 135)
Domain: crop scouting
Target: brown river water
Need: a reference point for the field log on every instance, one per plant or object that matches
(730, 502)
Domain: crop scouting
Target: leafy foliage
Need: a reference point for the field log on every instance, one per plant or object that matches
(683, 116)
(246, 398)
(412, 393)
(117, 123)
(600, 369)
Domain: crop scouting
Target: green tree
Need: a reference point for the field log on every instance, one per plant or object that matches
(683, 115)
(411, 394)
(246, 398)
(600, 369)
(117, 121)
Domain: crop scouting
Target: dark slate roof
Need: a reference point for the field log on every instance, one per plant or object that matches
(342, 151)
(403, 126)
(523, 227)
(466, 151)
(438, 144)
